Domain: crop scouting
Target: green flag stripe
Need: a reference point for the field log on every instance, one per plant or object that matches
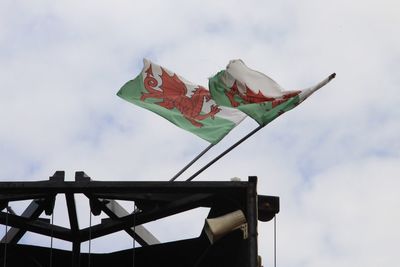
(218, 89)
(264, 114)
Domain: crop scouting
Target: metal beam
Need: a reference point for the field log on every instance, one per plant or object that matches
(97, 187)
(33, 212)
(17, 197)
(252, 221)
(112, 226)
(159, 197)
(76, 252)
(114, 210)
(73, 217)
(36, 226)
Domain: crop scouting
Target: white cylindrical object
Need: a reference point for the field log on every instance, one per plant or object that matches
(218, 227)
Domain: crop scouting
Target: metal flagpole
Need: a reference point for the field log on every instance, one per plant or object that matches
(225, 152)
(191, 163)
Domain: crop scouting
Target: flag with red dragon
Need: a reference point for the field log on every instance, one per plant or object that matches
(187, 105)
(254, 93)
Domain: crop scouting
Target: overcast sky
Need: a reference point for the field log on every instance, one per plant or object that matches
(333, 160)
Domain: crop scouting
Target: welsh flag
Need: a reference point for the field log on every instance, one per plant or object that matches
(254, 93)
(187, 105)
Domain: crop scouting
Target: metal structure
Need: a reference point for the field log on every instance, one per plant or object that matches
(154, 201)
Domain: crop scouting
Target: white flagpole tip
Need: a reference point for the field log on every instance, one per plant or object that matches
(307, 92)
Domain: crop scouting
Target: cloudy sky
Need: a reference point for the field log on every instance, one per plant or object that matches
(334, 160)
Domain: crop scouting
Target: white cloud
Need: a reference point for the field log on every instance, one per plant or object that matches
(332, 160)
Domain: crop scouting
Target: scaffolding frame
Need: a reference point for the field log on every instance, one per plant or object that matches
(154, 200)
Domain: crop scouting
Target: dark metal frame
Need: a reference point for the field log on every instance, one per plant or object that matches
(154, 200)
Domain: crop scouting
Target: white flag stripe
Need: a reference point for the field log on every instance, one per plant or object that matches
(255, 80)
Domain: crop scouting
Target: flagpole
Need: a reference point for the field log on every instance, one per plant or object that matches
(225, 152)
(191, 163)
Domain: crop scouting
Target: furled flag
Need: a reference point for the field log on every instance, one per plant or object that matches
(183, 103)
(254, 93)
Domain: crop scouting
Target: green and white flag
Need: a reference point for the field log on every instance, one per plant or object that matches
(187, 105)
(254, 93)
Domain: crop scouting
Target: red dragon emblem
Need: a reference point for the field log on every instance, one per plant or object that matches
(173, 95)
(249, 97)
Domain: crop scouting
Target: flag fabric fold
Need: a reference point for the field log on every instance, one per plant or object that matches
(187, 105)
(255, 93)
